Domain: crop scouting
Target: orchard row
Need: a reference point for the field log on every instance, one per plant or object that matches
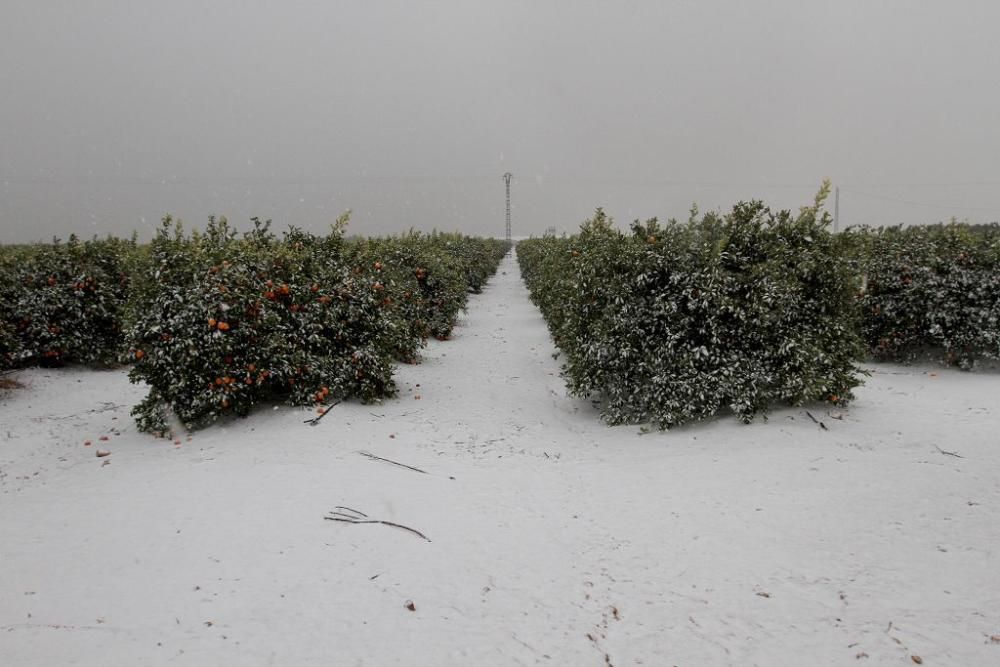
(216, 322)
(672, 323)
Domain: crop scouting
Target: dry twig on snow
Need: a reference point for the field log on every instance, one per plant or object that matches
(947, 453)
(821, 424)
(395, 463)
(354, 516)
(326, 409)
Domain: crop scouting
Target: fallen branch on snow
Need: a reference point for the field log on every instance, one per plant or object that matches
(360, 517)
(947, 453)
(395, 463)
(821, 424)
(326, 408)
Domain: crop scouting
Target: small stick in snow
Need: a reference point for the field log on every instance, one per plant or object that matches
(395, 463)
(344, 519)
(326, 409)
(350, 509)
(947, 453)
(821, 424)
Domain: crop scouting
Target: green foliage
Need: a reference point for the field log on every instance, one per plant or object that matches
(671, 323)
(229, 322)
(931, 290)
(63, 302)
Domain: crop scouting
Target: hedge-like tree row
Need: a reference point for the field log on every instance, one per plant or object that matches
(931, 290)
(64, 302)
(216, 322)
(673, 323)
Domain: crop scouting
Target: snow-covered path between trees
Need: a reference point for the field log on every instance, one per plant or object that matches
(553, 538)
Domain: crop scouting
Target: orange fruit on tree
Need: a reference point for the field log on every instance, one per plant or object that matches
(223, 326)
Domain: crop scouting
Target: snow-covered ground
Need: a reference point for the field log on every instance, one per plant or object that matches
(553, 538)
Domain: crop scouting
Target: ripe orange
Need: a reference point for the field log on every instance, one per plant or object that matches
(223, 326)
(139, 354)
(211, 323)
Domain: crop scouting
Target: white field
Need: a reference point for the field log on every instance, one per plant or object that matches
(554, 538)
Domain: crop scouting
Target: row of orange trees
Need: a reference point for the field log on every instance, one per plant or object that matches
(215, 322)
(673, 323)
(930, 291)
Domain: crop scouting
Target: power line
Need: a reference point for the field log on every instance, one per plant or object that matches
(992, 209)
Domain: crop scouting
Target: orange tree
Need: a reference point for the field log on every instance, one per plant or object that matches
(63, 302)
(426, 280)
(672, 323)
(228, 322)
(932, 289)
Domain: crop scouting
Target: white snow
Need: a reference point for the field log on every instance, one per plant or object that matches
(554, 538)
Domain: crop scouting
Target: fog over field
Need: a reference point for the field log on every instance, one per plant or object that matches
(115, 113)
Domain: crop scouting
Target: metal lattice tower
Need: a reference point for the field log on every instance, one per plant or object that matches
(506, 179)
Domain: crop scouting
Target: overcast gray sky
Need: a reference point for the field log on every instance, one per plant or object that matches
(115, 113)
